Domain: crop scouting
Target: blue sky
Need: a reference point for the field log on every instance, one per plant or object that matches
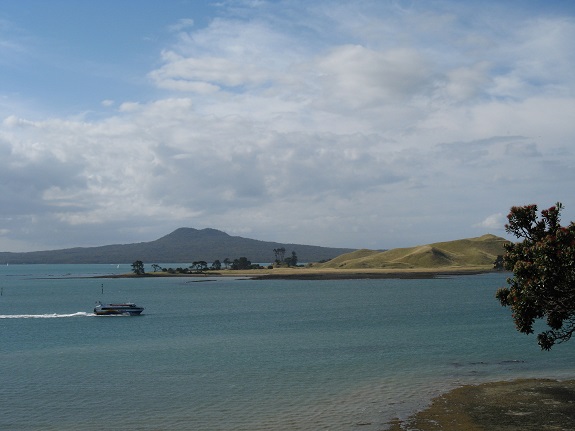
(365, 124)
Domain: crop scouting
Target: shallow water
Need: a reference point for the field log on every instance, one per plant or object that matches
(232, 354)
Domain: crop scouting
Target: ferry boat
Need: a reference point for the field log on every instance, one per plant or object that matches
(122, 309)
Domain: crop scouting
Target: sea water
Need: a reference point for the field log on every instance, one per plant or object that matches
(240, 354)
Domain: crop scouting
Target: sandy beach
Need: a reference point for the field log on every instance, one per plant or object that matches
(521, 405)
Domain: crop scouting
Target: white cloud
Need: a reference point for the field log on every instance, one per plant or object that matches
(494, 222)
(129, 106)
(181, 24)
(192, 74)
(466, 82)
(375, 132)
(357, 77)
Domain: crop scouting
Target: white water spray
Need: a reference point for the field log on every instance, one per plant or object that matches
(45, 316)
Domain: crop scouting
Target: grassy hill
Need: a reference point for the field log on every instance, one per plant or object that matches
(464, 253)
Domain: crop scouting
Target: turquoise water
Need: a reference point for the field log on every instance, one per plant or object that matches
(231, 354)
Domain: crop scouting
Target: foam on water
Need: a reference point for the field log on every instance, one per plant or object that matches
(45, 316)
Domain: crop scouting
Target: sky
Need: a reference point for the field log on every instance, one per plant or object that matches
(367, 124)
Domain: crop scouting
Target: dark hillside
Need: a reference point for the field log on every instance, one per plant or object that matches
(184, 245)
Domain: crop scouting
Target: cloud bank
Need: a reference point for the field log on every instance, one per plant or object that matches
(370, 124)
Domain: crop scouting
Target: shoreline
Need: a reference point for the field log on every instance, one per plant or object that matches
(517, 405)
(319, 274)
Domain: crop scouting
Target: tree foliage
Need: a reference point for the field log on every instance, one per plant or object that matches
(199, 266)
(241, 263)
(292, 261)
(138, 267)
(279, 253)
(498, 264)
(543, 265)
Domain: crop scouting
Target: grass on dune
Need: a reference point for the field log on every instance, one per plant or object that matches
(471, 252)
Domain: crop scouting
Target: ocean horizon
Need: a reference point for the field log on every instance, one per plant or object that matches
(242, 354)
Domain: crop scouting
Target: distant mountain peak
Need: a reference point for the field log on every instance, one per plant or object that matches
(190, 233)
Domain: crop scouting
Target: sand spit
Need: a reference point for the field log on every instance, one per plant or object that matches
(322, 274)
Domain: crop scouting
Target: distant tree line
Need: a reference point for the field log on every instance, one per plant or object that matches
(281, 259)
(201, 266)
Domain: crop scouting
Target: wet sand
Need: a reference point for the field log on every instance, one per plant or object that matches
(521, 405)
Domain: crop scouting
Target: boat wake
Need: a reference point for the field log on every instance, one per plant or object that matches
(45, 316)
